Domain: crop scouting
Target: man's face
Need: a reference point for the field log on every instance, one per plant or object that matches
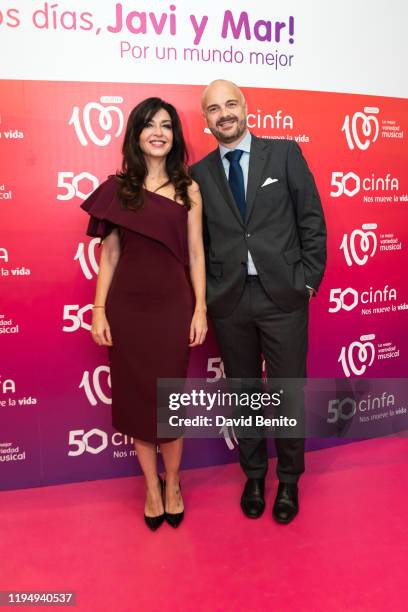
(225, 110)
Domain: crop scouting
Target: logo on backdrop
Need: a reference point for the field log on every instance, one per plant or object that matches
(279, 120)
(347, 299)
(8, 326)
(360, 244)
(272, 125)
(367, 408)
(358, 356)
(9, 396)
(93, 441)
(215, 367)
(4, 256)
(76, 186)
(92, 386)
(350, 183)
(14, 271)
(96, 441)
(7, 385)
(361, 129)
(9, 452)
(87, 261)
(104, 116)
(5, 192)
(75, 315)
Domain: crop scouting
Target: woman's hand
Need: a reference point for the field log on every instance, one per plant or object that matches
(198, 328)
(100, 328)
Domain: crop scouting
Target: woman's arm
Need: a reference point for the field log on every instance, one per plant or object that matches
(198, 329)
(109, 258)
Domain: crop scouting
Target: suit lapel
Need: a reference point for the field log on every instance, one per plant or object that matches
(218, 173)
(257, 159)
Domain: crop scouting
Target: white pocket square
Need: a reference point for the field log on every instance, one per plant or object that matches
(268, 181)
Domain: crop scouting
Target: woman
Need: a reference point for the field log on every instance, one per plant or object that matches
(150, 294)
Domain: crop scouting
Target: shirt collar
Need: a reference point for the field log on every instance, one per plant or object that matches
(244, 145)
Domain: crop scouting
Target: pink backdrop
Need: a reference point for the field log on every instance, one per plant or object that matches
(58, 141)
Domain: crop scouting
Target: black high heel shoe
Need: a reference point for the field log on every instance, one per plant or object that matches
(173, 519)
(154, 522)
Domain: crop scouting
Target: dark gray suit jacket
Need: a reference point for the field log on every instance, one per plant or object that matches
(284, 227)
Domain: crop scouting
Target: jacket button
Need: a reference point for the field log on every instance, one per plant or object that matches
(248, 235)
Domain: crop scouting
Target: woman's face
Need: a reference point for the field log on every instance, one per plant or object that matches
(156, 138)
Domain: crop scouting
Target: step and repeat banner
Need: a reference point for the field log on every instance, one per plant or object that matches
(71, 73)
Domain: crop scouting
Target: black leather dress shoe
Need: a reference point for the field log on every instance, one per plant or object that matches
(286, 504)
(252, 500)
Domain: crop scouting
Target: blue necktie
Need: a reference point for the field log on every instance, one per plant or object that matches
(236, 180)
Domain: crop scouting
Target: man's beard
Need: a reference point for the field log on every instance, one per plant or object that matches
(237, 133)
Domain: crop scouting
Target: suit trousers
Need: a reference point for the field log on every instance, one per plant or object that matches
(258, 327)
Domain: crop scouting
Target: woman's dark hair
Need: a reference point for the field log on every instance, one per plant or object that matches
(134, 170)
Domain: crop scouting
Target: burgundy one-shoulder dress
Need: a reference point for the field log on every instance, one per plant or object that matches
(149, 304)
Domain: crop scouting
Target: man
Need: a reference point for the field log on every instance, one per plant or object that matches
(265, 241)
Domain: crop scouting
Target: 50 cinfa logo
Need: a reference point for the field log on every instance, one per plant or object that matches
(95, 441)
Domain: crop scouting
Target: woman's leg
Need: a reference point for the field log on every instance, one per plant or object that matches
(171, 453)
(147, 455)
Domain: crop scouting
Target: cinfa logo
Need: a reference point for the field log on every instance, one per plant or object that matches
(259, 119)
(358, 356)
(361, 129)
(107, 118)
(360, 245)
(262, 120)
(4, 254)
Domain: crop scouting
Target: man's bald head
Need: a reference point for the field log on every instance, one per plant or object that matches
(225, 110)
(220, 86)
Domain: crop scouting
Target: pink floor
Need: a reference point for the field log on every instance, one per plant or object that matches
(347, 549)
